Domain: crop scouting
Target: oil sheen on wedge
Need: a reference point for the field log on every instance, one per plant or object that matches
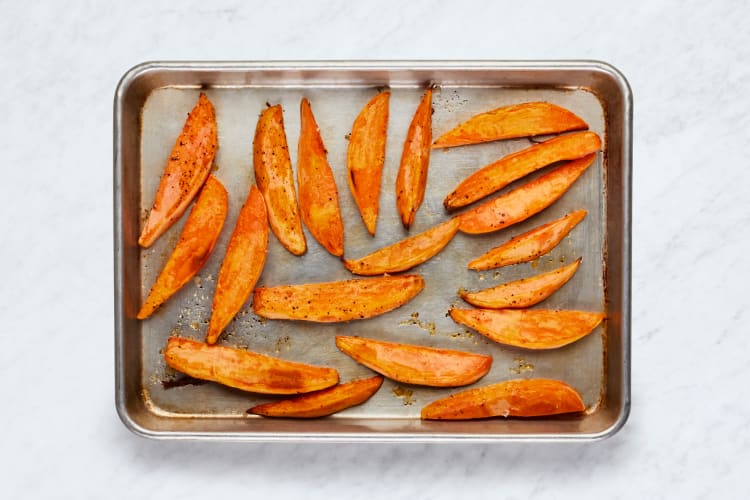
(415, 160)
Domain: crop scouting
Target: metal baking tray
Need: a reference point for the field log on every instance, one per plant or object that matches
(151, 103)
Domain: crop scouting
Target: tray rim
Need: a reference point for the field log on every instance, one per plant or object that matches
(141, 69)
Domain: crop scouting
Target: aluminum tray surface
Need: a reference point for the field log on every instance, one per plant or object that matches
(151, 104)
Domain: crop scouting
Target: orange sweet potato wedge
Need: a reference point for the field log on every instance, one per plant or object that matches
(242, 265)
(318, 196)
(413, 364)
(366, 157)
(406, 253)
(507, 169)
(322, 403)
(529, 328)
(246, 370)
(519, 120)
(514, 398)
(195, 245)
(415, 160)
(524, 292)
(187, 169)
(338, 300)
(525, 201)
(273, 175)
(529, 245)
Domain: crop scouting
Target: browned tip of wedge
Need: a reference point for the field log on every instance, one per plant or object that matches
(529, 245)
(509, 168)
(273, 175)
(338, 300)
(195, 245)
(525, 201)
(318, 194)
(413, 364)
(529, 328)
(518, 120)
(524, 292)
(406, 253)
(366, 157)
(242, 265)
(322, 403)
(187, 168)
(246, 370)
(415, 159)
(513, 398)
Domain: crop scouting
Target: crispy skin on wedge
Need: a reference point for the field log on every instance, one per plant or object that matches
(322, 403)
(519, 120)
(415, 160)
(246, 370)
(513, 398)
(195, 245)
(242, 265)
(318, 195)
(273, 175)
(529, 245)
(525, 201)
(187, 169)
(366, 157)
(414, 364)
(507, 169)
(338, 300)
(524, 292)
(406, 253)
(529, 328)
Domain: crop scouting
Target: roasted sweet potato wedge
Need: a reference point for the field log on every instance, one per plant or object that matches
(273, 175)
(415, 160)
(246, 370)
(529, 245)
(519, 120)
(195, 245)
(529, 328)
(322, 403)
(242, 265)
(406, 253)
(338, 300)
(507, 169)
(318, 195)
(524, 292)
(525, 201)
(187, 169)
(413, 364)
(514, 398)
(366, 157)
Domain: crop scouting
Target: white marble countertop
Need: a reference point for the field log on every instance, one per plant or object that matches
(689, 67)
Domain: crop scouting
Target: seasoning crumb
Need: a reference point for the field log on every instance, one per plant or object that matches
(521, 366)
(406, 394)
(535, 263)
(428, 326)
(194, 325)
(282, 342)
(496, 276)
(481, 277)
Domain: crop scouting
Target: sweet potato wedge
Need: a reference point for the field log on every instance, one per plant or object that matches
(507, 169)
(415, 160)
(187, 169)
(413, 364)
(195, 245)
(246, 370)
(529, 328)
(406, 253)
(322, 403)
(525, 201)
(524, 292)
(273, 175)
(366, 156)
(318, 195)
(338, 300)
(529, 245)
(514, 398)
(519, 120)
(242, 265)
